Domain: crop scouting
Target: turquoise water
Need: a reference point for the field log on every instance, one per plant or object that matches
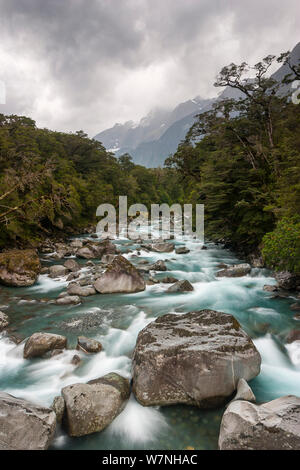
(115, 320)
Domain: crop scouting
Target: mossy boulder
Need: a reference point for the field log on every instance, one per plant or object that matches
(19, 268)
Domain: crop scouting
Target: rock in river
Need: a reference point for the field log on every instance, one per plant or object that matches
(181, 250)
(181, 286)
(88, 344)
(19, 268)
(93, 406)
(68, 300)
(272, 426)
(195, 358)
(72, 265)
(40, 343)
(121, 276)
(23, 425)
(4, 321)
(287, 280)
(236, 270)
(57, 270)
(162, 247)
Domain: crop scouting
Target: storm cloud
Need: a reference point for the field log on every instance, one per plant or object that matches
(86, 64)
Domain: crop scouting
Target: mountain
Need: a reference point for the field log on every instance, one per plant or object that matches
(157, 135)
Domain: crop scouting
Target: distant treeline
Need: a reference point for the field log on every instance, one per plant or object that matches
(242, 160)
(52, 182)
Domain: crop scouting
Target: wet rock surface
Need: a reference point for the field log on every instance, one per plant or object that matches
(181, 286)
(195, 358)
(287, 280)
(39, 344)
(4, 321)
(272, 426)
(93, 406)
(88, 345)
(120, 277)
(236, 270)
(23, 425)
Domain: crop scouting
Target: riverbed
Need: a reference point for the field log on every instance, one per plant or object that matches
(115, 320)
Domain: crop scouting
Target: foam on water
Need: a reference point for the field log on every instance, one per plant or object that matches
(138, 423)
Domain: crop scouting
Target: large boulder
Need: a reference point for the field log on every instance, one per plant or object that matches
(4, 321)
(93, 406)
(287, 280)
(236, 270)
(196, 358)
(121, 276)
(272, 426)
(39, 344)
(162, 247)
(23, 425)
(19, 268)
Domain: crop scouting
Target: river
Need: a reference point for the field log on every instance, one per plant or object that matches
(115, 320)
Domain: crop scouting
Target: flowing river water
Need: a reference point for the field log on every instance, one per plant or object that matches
(115, 320)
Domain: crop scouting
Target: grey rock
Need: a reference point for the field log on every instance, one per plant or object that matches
(287, 280)
(57, 270)
(40, 343)
(244, 392)
(93, 406)
(88, 345)
(181, 286)
(162, 247)
(23, 425)
(195, 358)
(120, 277)
(268, 288)
(168, 280)
(272, 426)
(181, 250)
(58, 406)
(72, 265)
(76, 244)
(236, 270)
(4, 321)
(107, 258)
(76, 289)
(158, 266)
(68, 300)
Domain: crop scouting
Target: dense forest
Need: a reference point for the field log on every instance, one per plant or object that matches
(52, 182)
(242, 160)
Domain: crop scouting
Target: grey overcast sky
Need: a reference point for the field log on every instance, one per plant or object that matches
(86, 64)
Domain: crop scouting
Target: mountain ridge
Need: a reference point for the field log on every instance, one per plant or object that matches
(157, 135)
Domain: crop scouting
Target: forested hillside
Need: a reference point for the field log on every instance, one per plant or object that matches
(52, 182)
(242, 160)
